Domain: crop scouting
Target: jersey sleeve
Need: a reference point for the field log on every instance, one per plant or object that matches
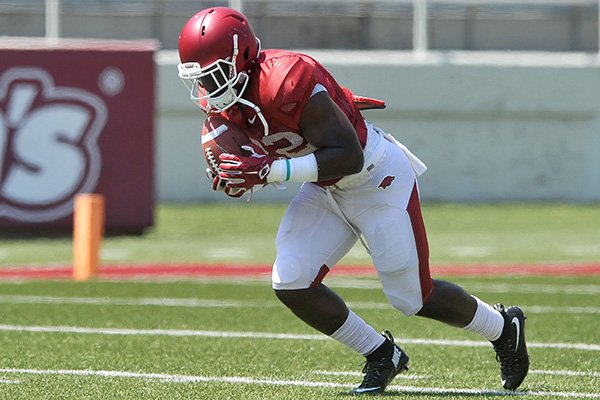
(287, 86)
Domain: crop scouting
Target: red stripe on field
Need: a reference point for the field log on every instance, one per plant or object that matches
(519, 269)
(229, 270)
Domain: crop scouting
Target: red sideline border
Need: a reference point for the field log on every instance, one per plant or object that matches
(160, 271)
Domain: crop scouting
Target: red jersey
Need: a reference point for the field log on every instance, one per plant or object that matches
(281, 84)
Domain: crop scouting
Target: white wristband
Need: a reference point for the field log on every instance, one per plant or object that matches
(299, 169)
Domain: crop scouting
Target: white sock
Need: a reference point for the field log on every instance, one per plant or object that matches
(487, 321)
(358, 335)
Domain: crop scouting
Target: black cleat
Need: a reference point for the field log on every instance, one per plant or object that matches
(511, 350)
(379, 373)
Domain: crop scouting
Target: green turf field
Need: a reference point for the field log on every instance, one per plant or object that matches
(242, 232)
(231, 339)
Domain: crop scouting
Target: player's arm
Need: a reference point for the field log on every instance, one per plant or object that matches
(325, 126)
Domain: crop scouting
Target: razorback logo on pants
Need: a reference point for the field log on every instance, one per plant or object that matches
(385, 182)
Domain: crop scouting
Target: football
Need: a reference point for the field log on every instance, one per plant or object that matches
(221, 136)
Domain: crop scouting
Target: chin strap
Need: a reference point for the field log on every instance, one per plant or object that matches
(258, 112)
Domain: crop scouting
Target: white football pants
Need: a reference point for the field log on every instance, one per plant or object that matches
(321, 225)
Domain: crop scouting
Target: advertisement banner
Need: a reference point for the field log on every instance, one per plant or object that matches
(76, 117)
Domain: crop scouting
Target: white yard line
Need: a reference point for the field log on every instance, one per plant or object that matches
(265, 335)
(160, 332)
(404, 376)
(232, 303)
(469, 251)
(565, 373)
(277, 382)
(228, 252)
(560, 310)
(534, 288)
(419, 377)
(365, 283)
(582, 250)
(113, 254)
(521, 288)
(137, 301)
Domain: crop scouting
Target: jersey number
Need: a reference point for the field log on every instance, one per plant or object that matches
(288, 144)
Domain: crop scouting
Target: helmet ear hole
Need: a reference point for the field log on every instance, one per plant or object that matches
(246, 53)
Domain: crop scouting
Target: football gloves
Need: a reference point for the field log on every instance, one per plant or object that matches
(220, 185)
(244, 172)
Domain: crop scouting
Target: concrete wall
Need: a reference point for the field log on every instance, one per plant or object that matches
(490, 126)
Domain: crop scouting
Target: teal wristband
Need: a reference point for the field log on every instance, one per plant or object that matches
(287, 169)
(299, 169)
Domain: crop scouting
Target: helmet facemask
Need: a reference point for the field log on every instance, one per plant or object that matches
(217, 86)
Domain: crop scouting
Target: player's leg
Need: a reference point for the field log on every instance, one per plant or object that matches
(318, 306)
(505, 329)
(399, 251)
(311, 239)
(396, 235)
(451, 304)
(363, 204)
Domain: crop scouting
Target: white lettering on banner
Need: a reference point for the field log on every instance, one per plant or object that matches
(48, 145)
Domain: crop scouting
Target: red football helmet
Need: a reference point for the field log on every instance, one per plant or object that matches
(217, 48)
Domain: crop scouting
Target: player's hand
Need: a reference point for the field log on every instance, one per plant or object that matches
(245, 171)
(220, 185)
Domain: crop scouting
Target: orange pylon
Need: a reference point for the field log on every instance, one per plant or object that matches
(88, 230)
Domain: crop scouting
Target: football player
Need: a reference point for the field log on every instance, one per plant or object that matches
(360, 183)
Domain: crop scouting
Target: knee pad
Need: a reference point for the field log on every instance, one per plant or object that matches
(289, 273)
(408, 306)
(403, 291)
